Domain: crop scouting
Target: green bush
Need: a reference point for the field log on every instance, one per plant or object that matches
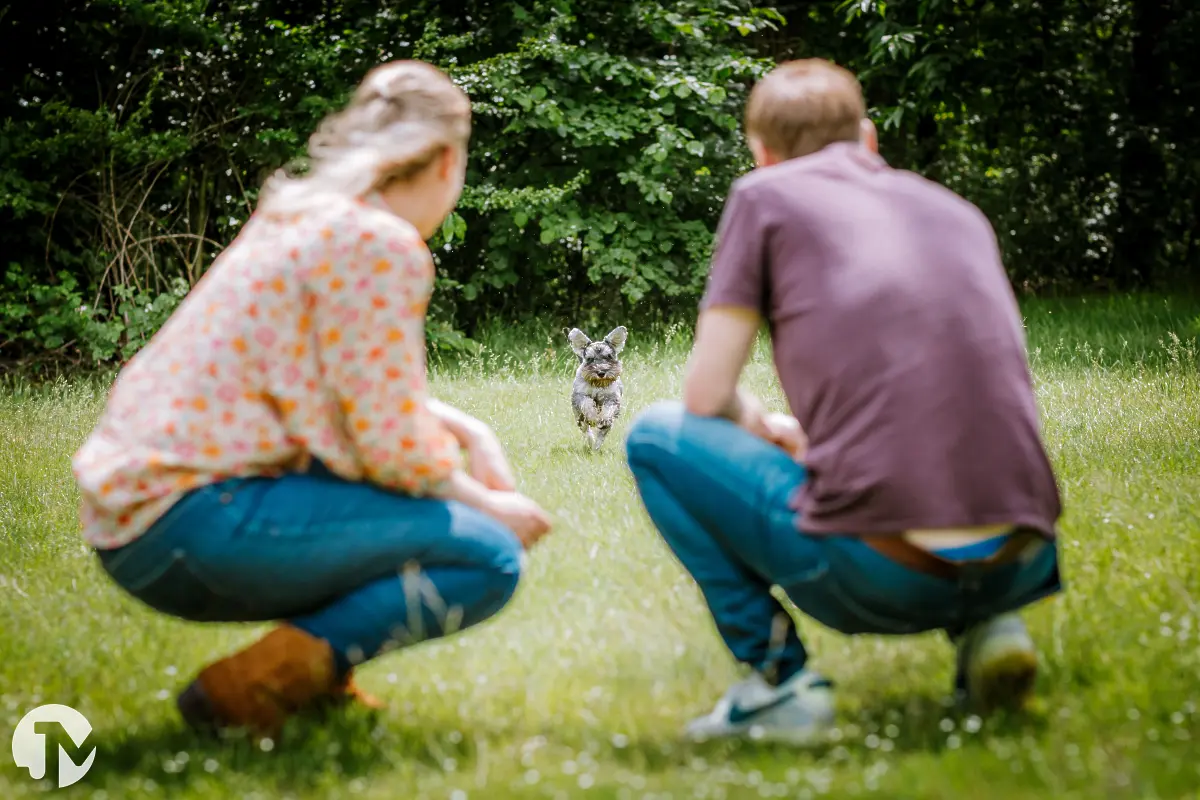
(135, 138)
(606, 135)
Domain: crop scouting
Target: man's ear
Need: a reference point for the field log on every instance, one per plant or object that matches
(447, 163)
(868, 135)
(762, 156)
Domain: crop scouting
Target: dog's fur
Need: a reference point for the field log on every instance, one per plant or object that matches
(597, 390)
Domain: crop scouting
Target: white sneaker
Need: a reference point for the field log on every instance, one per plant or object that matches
(798, 711)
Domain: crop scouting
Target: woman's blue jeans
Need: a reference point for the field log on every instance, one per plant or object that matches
(361, 567)
(719, 497)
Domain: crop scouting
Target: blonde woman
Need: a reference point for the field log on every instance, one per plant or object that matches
(273, 454)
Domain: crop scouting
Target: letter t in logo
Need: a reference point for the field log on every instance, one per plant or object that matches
(29, 743)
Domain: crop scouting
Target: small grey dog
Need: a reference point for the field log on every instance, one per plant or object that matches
(597, 389)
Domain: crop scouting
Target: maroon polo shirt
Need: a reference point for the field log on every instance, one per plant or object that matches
(898, 343)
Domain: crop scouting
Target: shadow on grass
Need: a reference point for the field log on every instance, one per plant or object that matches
(356, 744)
(929, 724)
(613, 448)
(919, 724)
(349, 744)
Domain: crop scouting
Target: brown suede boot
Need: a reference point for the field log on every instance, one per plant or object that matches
(260, 687)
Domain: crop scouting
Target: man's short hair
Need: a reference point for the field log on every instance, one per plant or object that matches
(802, 106)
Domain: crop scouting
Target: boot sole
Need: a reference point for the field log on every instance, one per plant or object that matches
(1005, 677)
(196, 710)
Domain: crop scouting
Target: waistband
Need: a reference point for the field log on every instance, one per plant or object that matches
(975, 550)
(954, 562)
(942, 538)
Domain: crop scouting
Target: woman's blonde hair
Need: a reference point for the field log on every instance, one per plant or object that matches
(401, 118)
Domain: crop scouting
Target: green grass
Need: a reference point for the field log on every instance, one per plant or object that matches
(580, 686)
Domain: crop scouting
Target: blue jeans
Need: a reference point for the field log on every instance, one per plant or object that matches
(719, 497)
(358, 566)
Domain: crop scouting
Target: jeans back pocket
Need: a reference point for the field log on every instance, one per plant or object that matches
(880, 596)
(169, 584)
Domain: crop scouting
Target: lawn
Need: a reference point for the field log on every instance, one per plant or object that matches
(580, 686)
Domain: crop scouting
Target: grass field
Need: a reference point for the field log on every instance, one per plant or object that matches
(580, 686)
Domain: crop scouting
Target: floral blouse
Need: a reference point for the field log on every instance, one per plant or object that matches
(306, 338)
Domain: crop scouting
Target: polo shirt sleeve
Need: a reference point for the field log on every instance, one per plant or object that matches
(738, 274)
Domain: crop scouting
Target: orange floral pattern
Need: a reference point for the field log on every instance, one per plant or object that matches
(306, 338)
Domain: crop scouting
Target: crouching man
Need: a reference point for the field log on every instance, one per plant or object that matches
(909, 490)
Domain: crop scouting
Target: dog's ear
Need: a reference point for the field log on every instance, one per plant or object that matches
(579, 341)
(617, 338)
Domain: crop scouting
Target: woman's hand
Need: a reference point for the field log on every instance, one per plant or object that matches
(487, 462)
(521, 515)
(517, 512)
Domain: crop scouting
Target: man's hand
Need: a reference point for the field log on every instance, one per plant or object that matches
(724, 337)
(782, 430)
(748, 412)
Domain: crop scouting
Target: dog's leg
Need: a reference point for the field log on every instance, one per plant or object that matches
(601, 433)
(608, 414)
(587, 412)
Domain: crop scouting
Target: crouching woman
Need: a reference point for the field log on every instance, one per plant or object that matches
(273, 455)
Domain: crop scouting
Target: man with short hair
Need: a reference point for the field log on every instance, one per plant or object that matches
(909, 489)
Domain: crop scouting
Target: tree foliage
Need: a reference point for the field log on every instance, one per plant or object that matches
(137, 132)
(1071, 124)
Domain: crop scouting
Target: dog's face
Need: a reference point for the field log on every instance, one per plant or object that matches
(599, 362)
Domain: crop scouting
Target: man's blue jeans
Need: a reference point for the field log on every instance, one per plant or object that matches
(719, 496)
(350, 563)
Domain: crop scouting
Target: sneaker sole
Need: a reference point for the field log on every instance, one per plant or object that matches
(1004, 677)
(813, 734)
(794, 738)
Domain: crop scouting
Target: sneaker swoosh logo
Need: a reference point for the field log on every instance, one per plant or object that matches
(738, 715)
